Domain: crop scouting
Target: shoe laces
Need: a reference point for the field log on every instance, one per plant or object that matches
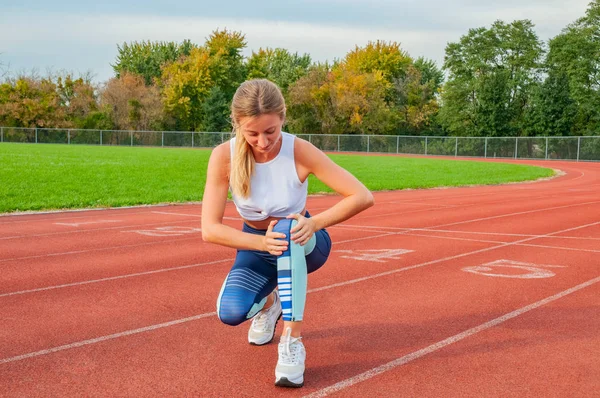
(291, 348)
(260, 322)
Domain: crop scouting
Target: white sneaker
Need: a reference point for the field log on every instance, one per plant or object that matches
(263, 324)
(290, 367)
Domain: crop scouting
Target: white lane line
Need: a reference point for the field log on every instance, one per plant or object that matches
(86, 223)
(176, 214)
(339, 225)
(581, 176)
(505, 234)
(194, 215)
(410, 267)
(87, 282)
(87, 342)
(519, 213)
(376, 228)
(37, 213)
(443, 343)
(412, 233)
(97, 250)
(93, 230)
(105, 338)
(112, 278)
(478, 219)
(518, 244)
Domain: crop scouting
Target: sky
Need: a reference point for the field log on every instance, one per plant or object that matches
(82, 37)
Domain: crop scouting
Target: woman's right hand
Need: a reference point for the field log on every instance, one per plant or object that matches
(274, 242)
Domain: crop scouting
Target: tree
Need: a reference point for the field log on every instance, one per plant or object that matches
(431, 75)
(227, 66)
(216, 111)
(31, 102)
(278, 65)
(185, 86)
(574, 54)
(504, 57)
(387, 58)
(146, 58)
(210, 73)
(131, 104)
(309, 107)
(79, 100)
(553, 110)
(415, 100)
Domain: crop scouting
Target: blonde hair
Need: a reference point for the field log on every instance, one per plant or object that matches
(253, 98)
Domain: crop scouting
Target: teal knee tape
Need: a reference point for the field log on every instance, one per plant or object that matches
(256, 307)
(292, 279)
(310, 246)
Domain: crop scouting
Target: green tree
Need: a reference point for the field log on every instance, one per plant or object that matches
(553, 110)
(207, 78)
(574, 53)
(227, 67)
(278, 65)
(309, 105)
(146, 58)
(185, 86)
(431, 75)
(504, 57)
(216, 111)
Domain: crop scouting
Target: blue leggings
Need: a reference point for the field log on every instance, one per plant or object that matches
(254, 276)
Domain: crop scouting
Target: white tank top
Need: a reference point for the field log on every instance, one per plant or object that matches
(275, 189)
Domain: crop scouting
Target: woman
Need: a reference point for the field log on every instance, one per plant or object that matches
(267, 172)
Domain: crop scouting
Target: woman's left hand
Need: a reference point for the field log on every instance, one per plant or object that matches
(304, 230)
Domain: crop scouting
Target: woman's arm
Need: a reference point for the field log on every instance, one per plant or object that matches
(311, 160)
(213, 208)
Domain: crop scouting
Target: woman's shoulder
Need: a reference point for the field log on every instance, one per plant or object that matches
(221, 153)
(304, 151)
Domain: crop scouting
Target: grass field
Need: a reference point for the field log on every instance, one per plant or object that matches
(44, 176)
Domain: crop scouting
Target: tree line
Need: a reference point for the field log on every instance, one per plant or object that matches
(500, 80)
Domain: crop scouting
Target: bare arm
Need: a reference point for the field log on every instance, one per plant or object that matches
(356, 196)
(213, 208)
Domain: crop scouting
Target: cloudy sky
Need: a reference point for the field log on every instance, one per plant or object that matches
(81, 37)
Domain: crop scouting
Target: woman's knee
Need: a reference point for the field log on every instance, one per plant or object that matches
(320, 253)
(231, 316)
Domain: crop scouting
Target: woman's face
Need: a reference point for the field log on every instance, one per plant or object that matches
(262, 132)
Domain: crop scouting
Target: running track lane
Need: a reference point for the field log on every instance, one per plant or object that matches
(421, 325)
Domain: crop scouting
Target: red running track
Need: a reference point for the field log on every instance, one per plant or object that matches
(462, 292)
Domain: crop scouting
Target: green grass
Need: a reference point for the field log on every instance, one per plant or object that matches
(44, 176)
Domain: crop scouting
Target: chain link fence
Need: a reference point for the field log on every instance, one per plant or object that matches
(584, 148)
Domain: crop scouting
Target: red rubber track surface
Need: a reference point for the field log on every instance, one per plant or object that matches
(461, 292)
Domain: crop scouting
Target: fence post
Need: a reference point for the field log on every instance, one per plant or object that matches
(36, 135)
(456, 148)
(546, 148)
(368, 142)
(193, 139)
(309, 138)
(516, 146)
(69, 137)
(1, 134)
(338, 148)
(100, 137)
(426, 145)
(485, 150)
(397, 144)
(162, 139)
(578, 147)
(131, 138)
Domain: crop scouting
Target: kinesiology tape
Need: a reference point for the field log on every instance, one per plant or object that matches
(292, 273)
